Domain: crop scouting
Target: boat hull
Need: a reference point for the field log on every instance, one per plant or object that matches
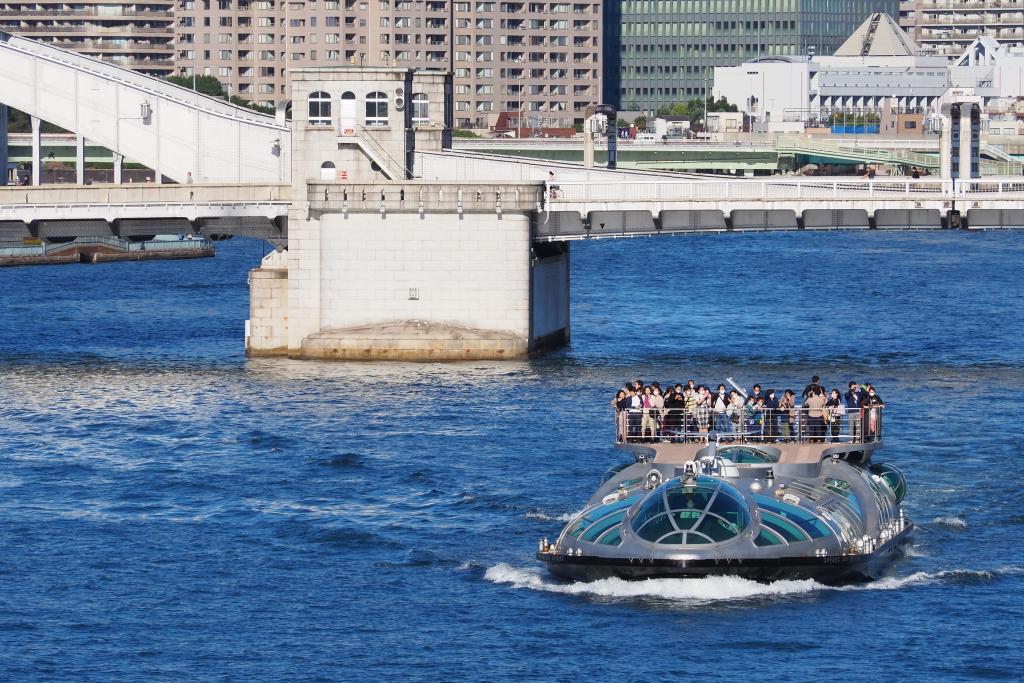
(830, 570)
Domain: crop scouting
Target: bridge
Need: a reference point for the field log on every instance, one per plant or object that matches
(578, 210)
(49, 212)
(390, 245)
(761, 153)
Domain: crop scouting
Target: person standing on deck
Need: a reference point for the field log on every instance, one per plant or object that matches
(852, 398)
(720, 404)
(771, 415)
(814, 404)
(809, 389)
(871, 405)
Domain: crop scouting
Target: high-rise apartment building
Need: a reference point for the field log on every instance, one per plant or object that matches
(541, 59)
(137, 35)
(668, 49)
(946, 28)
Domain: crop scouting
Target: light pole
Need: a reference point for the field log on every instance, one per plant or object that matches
(705, 101)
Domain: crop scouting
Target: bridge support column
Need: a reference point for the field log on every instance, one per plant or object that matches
(118, 167)
(37, 151)
(80, 159)
(414, 287)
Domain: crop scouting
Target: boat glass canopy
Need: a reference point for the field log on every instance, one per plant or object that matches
(699, 511)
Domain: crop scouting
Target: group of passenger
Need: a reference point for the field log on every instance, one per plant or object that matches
(691, 412)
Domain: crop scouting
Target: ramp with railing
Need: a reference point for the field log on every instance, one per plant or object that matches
(898, 157)
(172, 130)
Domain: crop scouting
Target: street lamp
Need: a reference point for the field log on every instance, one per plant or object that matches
(705, 100)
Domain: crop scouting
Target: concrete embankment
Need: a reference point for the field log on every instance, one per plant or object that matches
(72, 252)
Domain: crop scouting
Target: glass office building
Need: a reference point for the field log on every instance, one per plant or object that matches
(668, 49)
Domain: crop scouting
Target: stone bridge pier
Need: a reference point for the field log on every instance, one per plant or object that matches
(381, 266)
(412, 271)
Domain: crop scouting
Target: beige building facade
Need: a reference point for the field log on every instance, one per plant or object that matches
(538, 59)
(946, 27)
(136, 35)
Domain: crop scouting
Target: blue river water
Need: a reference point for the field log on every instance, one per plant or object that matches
(171, 511)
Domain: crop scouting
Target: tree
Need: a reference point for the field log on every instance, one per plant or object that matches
(207, 85)
(20, 122)
(694, 109)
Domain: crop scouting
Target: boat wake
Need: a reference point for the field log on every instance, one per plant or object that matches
(545, 517)
(720, 588)
(955, 523)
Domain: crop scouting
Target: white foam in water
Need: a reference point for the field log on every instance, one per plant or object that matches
(712, 588)
(951, 522)
(544, 517)
(715, 588)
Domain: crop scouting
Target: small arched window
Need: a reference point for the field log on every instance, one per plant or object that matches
(376, 109)
(420, 105)
(327, 171)
(319, 109)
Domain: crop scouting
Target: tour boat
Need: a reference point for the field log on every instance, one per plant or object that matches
(759, 508)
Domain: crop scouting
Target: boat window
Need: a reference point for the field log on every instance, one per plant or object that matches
(696, 539)
(685, 519)
(783, 527)
(612, 537)
(656, 528)
(805, 519)
(601, 526)
(843, 489)
(717, 528)
(767, 537)
(893, 478)
(600, 512)
(883, 496)
(745, 455)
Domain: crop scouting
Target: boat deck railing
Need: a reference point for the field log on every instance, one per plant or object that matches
(793, 425)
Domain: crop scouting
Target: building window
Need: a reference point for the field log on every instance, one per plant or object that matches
(376, 109)
(319, 109)
(419, 107)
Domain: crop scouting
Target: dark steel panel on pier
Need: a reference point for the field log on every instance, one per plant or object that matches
(903, 219)
(987, 219)
(244, 226)
(698, 220)
(14, 231)
(836, 219)
(83, 228)
(132, 227)
(559, 224)
(763, 219)
(620, 222)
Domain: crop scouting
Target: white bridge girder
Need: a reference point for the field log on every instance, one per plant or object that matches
(184, 132)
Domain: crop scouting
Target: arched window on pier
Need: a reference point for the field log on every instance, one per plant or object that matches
(319, 109)
(327, 171)
(420, 106)
(376, 109)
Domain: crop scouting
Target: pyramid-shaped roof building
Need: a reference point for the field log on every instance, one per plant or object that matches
(878, 36)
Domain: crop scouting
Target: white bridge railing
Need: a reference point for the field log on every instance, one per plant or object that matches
(575, 192)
